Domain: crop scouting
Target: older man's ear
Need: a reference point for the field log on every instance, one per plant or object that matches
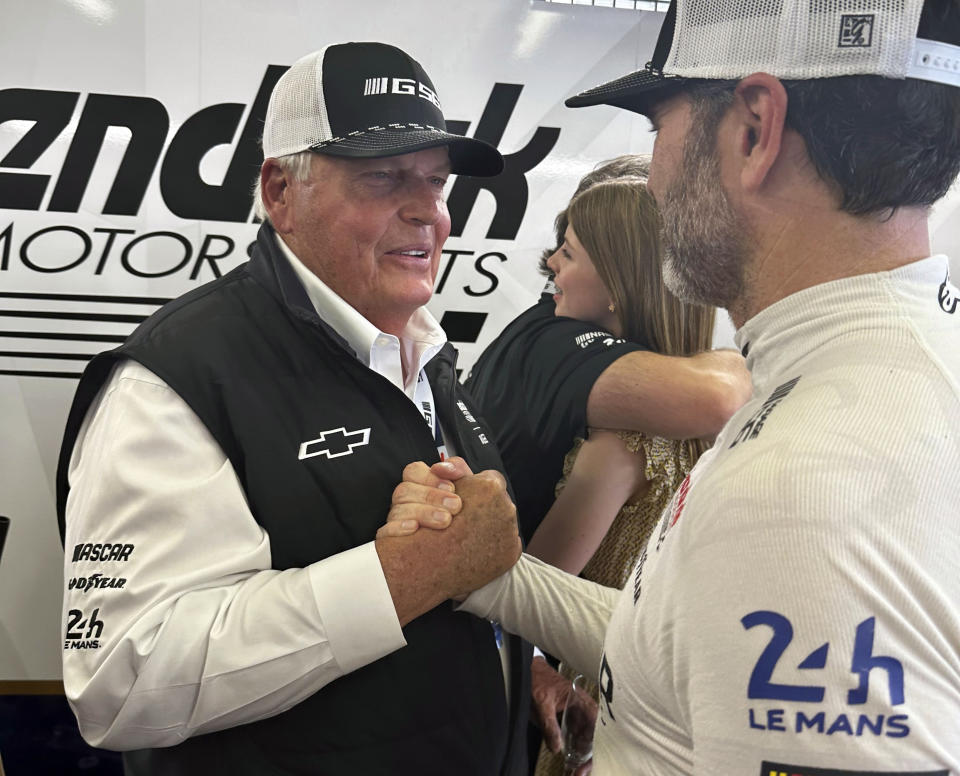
(275, 185)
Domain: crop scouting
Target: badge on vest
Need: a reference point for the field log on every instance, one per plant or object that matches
(334, 443)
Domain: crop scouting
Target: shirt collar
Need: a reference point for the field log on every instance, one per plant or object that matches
(789, 330)
(422, 334)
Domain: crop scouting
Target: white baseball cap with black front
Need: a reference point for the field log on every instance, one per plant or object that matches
(790, 39)
(365, 100)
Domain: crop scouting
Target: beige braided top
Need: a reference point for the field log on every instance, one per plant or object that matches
(668, 462)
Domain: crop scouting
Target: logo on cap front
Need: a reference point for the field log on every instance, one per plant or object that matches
(387, 85)
(856, 31)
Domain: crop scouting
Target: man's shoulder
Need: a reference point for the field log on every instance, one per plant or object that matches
(202, 309)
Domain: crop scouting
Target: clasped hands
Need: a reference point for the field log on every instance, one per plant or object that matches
(449, 497)
(473, 522)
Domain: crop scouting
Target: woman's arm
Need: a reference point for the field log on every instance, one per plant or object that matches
(605, 475)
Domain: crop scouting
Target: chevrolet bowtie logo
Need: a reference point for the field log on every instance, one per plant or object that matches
(334, 443)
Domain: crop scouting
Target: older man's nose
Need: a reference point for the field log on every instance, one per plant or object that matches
(423, 203)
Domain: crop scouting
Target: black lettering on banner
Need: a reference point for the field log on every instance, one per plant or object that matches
(50, 111)
(111, 236)
(182, 187)
(478, 265)
(6, 236)
(454, 254)
(211, 258)
(147, 121)
(125, 255)
(494, 280)
(184, 191)
(36, 250)
(509, 188)
(462, 325)
(25, 248)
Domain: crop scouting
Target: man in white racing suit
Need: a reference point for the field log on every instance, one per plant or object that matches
(798, 609)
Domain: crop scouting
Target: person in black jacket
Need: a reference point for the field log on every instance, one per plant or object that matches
(229, 608)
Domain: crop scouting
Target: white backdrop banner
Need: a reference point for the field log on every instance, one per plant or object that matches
(128, 143)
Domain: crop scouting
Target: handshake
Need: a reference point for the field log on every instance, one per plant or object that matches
(448, 533)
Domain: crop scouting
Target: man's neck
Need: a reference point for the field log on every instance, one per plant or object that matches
(805, 249)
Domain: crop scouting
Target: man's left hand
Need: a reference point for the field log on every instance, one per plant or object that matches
(548, 695)
(426, 497)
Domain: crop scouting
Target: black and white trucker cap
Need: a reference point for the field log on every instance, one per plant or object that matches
(790, 39)
(365, 100)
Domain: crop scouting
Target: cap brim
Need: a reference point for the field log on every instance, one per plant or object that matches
(639, 92)
(468, 156)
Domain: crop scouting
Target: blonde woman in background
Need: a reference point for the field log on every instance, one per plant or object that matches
(616, 483)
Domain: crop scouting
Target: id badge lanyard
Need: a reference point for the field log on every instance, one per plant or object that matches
(424, 401)
(431, 417)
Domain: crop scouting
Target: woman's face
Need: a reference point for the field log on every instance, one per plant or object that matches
(581, 292)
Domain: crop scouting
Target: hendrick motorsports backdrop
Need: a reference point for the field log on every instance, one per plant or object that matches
(128, 143)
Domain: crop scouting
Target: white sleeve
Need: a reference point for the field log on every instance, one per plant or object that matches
(563, 614)
(175, 622)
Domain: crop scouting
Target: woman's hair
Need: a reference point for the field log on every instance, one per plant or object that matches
(626, 166)
(618, 225)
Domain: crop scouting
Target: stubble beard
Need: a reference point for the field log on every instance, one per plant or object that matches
(704, 246)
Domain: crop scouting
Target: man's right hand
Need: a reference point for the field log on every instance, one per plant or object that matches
(482, 540)
(548, 695)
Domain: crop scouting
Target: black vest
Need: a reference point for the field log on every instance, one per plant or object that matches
(265, 374)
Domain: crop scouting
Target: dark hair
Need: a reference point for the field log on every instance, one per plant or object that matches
(626, 166)
(884, 143)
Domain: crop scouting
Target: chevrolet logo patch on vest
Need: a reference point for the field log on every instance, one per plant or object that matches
(334, 443)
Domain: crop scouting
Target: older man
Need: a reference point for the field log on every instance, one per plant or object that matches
(798, 609)
(224, 472)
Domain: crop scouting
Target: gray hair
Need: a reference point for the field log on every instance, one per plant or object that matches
(297, 165)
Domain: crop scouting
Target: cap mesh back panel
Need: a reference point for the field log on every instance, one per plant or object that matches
(296, 116)
(793, 38)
